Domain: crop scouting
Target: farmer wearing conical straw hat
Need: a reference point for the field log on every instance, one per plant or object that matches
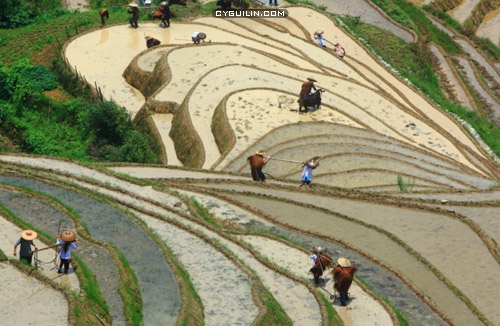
(134, 10)
(26, 241)
(67, 240)
(307, 172)
(257, 162)
(318, 35)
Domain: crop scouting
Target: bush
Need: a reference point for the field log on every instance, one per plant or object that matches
(112, 134)
(105, 123)
(19, 13)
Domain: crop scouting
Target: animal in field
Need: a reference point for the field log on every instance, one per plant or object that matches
(311, 101)
(343, 274)
(323, 261)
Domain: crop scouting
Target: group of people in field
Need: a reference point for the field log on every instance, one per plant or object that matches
(65, 241)
(343, 271)
(259, 160)
(337, 48)
(163, 12)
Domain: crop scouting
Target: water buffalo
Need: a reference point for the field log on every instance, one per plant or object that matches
(311, 101)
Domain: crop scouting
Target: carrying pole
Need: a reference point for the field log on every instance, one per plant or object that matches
(290, 161)
(329, 42)
(37, 250)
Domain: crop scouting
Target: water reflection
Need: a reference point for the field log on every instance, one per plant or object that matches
(134, 39)
(104, 36)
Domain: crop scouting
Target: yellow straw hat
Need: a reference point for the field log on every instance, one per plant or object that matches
(67, 236)
(28, 234)
(344, 262)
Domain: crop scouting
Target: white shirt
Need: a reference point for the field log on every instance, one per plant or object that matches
(313, 257)
(321, 40)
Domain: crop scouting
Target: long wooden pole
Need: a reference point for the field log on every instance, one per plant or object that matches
(37, 250)
(281, 159)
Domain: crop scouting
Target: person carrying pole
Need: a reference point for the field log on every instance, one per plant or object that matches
(67, 240)
(26, 241)
(257, 162)
(307, 172)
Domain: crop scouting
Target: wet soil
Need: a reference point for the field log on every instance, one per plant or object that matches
(160, 295)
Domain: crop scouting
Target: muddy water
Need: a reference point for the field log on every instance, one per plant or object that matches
(383, 282)
(490, 27)
(101, 60)
(45, 217)
(461, 12)
(159, 291)
(367, 240)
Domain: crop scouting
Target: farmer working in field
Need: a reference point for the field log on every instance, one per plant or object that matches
(134, 10)
(165, 10)
(307, 87)
(196, 37)
(257, 162)
(104, 14)
(151, 41)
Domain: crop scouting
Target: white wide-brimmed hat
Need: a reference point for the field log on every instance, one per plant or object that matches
(133, 4)
(344, 262)
(261, 152)
(312, 79)
(319, 249)
(28, 234)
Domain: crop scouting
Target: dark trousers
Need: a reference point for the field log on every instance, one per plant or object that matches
(262, 176)
(65, 263)
(133, 23)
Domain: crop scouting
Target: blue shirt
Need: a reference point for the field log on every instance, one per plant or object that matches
(66, 254)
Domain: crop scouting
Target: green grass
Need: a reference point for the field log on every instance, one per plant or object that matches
(91, 303)
(405, 186)
(129, 292)
(414, 62)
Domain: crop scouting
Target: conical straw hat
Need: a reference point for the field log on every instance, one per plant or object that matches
(344, 262)
(320, 249)
(28, 234)
(67, 236)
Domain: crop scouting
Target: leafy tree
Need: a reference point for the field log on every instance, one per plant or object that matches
(112, 134)
(105, 123)
(18, 13)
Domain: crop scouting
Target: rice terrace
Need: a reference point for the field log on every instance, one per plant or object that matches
(406, 190)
